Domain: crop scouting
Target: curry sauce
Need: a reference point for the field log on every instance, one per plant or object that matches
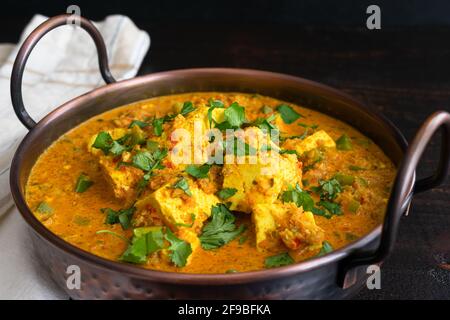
(112, 180)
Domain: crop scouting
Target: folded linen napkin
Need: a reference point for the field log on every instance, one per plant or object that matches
(63, 65)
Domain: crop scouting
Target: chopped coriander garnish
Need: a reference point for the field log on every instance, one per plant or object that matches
(265, 124)
(331, 208)
(157, 123)
(152, 146)
(221, 229)
(139, 123)
(183, 185)
(158, 126)
(83, 183)
(187, 108)
(198, 172)
(103, 141)
(328, 189)
(213, 104)
(117, 149)
(234, 117)
(122, 216)
(299, 197)
(145, 241)
(226, 193)
(179, 250)
(287, 151)
(282, 259)
(142, 160)
(288, 114)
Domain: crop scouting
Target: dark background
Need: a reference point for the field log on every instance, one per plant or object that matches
(401, 70)
(306, 12)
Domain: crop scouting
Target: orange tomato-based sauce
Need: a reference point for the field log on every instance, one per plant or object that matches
(76, 217)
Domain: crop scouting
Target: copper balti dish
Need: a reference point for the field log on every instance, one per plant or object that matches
(337, 275)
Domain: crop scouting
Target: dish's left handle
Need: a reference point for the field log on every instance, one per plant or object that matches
(29, 44)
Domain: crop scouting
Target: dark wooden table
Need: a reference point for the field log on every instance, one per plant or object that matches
(402, 72)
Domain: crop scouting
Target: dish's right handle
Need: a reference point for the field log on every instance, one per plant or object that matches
(27, 47)
(401, 194)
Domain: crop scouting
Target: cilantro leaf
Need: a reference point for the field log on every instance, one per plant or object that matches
(288, 114)
(328, 189)
(142, 160)
(146, 240)
(198, 172)
(221, 229)
(235, 115)
(213, 104)
(103, 141)
(122, 216)
(331, 207)
(266, 125)
(83, 183)
(226, 193)
(139, 123)
(179, 250)
(158, 126)
(299, 197)
(187, 108)
(279, 260)
(183, 185)
(157, 123)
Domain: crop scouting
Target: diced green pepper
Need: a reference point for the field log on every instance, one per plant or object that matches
(344, 179)
(344, 143)
(353, 206)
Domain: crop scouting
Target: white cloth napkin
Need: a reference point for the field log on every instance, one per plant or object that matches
(63, 65)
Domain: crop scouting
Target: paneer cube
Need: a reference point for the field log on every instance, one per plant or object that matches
(179, 211)
(189, 138)
(265, 226)
(316, 140)
(183, 215)
(261, 182)
(286, 223)
(122, 180)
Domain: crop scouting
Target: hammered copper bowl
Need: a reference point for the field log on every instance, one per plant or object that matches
(336, 275)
